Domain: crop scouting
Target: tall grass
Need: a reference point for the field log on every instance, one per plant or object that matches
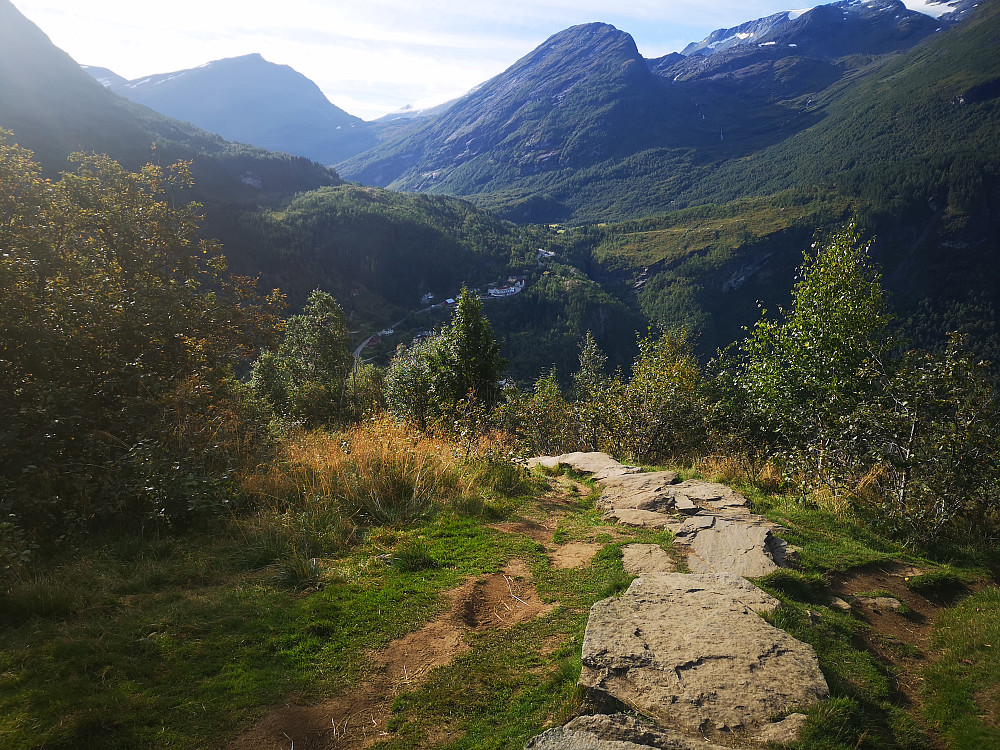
(378, 473)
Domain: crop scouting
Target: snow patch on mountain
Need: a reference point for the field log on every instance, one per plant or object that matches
(933, 8)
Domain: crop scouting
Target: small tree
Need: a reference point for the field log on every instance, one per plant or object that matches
(934, 447)
(411, 380)
(120, 330)
(659, 414)
(475, 365)
(437, 380)
(305, 378)
(589, 390)
(542, 422)
(800, 380)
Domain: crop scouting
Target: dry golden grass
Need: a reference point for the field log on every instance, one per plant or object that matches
(730, 468)
(380, 469)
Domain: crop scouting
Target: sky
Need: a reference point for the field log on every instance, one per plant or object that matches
(370, 57)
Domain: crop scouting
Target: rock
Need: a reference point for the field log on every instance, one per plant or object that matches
(617, 732)
(642, 559)
(692, 525)
(711, 495)
(648, 491)
(644, 519)
(548, 462)
(690, 652)
(599, 464)
(613, 472)
(782, 732)
(685, 505)
(728, 547)
(840, 604)
(881, 603)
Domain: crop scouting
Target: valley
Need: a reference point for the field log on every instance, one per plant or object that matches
(319, 432)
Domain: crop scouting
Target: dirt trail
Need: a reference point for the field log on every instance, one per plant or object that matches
(359, 717)
(901, 640)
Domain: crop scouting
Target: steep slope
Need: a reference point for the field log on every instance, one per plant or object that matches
(584, 129)
(747, 33)
(846, 27)
(54, 108)
(250, 100)
(910, 146)
(582, 97)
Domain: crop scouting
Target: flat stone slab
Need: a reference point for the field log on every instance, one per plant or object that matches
(728, 547)
(642, 559)
(616, 732)
(690, 652)
(596, 463)
(711, 495)
(644, 519)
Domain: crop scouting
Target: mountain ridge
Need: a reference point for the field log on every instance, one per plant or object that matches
(251, 100)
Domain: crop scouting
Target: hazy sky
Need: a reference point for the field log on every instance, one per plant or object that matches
(369, 57)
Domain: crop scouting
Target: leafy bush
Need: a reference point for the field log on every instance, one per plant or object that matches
(910, 438)
(119, 331)
(306, 378)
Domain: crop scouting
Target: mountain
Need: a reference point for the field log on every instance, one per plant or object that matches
(746, 33)
(584, 129)
(106, 77)
(871, 27)
(584, 96)
(250, 100)
(909, 145)
(856, 109)
(54, 108)
(293, 223)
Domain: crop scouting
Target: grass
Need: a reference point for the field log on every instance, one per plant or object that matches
(961, 698)
(178, 641)
(182, 641)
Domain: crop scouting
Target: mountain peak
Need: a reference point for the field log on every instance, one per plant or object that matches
(251, 100)
(826, 31)
(590, 38)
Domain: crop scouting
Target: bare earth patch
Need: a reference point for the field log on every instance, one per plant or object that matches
(540, 532)
(358, 718)
(573, 555)
(901, 640)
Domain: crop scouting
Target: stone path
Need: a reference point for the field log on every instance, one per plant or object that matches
(688, 652)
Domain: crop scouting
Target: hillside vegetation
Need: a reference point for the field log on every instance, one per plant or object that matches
(261, 537)
(213, 514)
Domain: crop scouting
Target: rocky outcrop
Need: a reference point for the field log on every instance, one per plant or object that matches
(688, 651)
(714, 521)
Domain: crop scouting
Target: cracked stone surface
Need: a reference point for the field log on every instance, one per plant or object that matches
(601, 465)
(690, 652)
(648, 491)
(740, 548)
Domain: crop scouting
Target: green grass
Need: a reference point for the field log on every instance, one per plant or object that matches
(961, 698)
(177, 644)
(511, 687)
(827, 542)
